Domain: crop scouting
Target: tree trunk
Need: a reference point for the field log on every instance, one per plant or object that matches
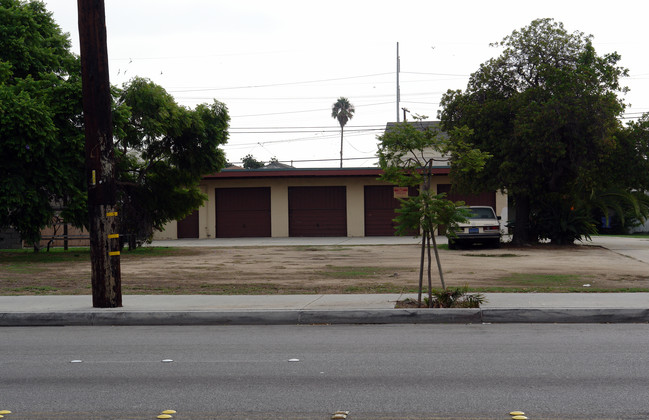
(341, 146)
(430, 274)
(439, 263)
(65, 236)
(421, 268)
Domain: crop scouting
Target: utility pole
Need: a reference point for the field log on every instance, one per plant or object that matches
(404, 113)
(398, 89)
(100, 165)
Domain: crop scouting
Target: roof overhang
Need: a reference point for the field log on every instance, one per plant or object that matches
(307, 173)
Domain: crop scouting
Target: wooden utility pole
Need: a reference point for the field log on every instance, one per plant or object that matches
(100, 163)
(398, 88)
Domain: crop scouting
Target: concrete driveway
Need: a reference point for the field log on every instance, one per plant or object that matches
(637, 248)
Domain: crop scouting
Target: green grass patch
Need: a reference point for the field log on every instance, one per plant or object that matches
(54, 255)
(493, 255)
(375, 288)
(225, 289)
(34, 290)
(546, 280)
(26, 261)
(343, 272)
(21, 268)
(156, 251)
(550, 289)
(311, 248)
(18, 256)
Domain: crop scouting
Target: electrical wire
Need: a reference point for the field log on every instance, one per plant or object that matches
(305, 111)
(170, 90)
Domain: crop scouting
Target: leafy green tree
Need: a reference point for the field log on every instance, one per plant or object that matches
(162, 150)
(625, 179)
(547, 110)
(249, 162)
(631, 148)
(343, 111)
(407, 152)
(41, 141)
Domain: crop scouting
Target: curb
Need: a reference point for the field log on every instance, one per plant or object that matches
(308, 317)
(566, 316)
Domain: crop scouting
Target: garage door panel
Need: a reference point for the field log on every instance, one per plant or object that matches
(480, 199)
(188, 227)
(380, 209)
(244, 224)
(380, 223)
(314, 223)
(243, 212)
(317, 211)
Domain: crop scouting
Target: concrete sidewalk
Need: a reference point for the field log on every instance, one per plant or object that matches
(321, 309)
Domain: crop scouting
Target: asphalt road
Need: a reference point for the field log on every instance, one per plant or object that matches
(376, 372)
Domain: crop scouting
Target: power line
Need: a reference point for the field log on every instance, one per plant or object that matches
(436, 74)
(278, 84)
(303, 127)
(331, 130)
(321, 160)
(304, 111)
(306, 98)
(299, 139)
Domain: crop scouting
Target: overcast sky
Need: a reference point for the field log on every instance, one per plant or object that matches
(280, 65)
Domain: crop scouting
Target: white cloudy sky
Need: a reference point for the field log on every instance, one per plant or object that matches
(280, 65)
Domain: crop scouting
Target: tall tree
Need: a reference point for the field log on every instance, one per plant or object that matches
(343, 111)
(41, 137)
(163, 150)
(547, 109)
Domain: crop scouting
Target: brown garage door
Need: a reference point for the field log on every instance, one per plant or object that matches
(188, 227)
(242, 212)
(380, 206)
(317, 211)
(482, 199)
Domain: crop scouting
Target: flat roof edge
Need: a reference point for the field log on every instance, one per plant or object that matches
(311, 172)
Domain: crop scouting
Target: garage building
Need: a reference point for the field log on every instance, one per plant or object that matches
(345, 202)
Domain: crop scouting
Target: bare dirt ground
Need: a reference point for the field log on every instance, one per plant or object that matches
(337, 269)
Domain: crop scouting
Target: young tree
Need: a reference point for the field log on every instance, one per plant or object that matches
(547, 110)
(162, 150)
(343, 111)
(41, 137)
(407, 152)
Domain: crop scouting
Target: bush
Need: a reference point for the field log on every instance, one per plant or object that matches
(455, 297)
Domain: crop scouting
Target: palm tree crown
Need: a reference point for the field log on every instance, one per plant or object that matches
(343, 111)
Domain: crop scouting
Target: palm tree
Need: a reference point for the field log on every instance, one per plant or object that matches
(343, 111)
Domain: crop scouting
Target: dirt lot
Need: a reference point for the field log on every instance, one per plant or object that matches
(330, 269)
